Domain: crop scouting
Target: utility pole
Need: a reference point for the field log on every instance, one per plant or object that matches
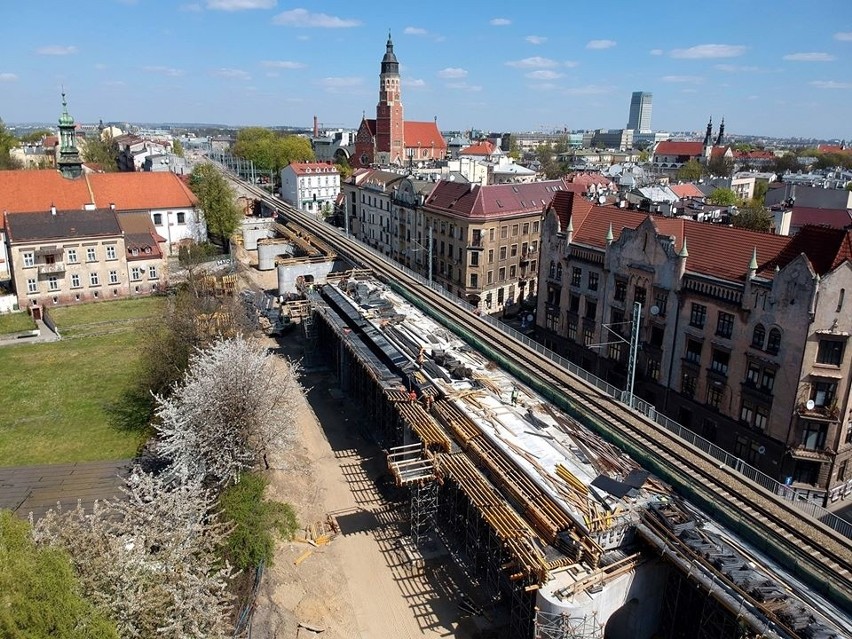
(430, 254)
(634, 351)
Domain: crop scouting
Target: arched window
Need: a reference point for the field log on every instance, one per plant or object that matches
(840, 300)
(758, 336)
(552, 272)
(773, 344)
(559, 271)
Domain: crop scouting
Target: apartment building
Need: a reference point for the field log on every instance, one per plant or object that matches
(311, 187)
(743, 336)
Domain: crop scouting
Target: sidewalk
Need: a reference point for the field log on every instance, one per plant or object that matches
(44, 335)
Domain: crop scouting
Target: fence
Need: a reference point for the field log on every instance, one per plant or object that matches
(799, 498)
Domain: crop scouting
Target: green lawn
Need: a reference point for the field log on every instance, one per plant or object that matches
(15, 323)
(55, 395)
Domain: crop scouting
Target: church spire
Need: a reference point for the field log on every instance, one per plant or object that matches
(708, 137)
(720, 139)
(70, 163)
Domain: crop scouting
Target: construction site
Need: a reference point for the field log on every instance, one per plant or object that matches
(560, 533)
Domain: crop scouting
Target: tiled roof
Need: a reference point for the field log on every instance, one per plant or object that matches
(495, 200)
(38, 226)
(835, 218)
(371, 125)
(754, 155)
(480, 148)
(588, 178)
(379, 177)
(719, 251)
(669, 147)
(686, 190)
(831, 148)
(305, 168)
(423, 134)
(825, 247)
(39, 190)
(139, 234)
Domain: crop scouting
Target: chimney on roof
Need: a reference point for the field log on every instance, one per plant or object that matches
(52, 209)
(112, 206)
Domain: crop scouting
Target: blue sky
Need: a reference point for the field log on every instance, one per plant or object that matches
(779, 67)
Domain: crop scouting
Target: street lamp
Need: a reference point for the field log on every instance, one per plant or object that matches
(633, 344)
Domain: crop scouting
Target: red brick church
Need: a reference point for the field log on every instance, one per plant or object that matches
(389, 139)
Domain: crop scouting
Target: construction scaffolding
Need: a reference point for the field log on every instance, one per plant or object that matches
(549, 625)
(413, 467)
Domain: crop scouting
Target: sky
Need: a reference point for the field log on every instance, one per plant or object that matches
(776, 68)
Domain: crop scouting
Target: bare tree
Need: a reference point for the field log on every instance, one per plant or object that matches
(149, 561)
(233, 404)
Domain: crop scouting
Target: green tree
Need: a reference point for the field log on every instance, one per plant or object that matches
(7, 143)
(271, 151)
(787, 162)
(177, 148)
(761, 188)
(101, 151)
(39, 592)
(216, 199)
(690, 171)
(723, 197)
(36, 136)
(343, 168)
(514, 149)
(719, 166)
(753, 217)
(254, 521)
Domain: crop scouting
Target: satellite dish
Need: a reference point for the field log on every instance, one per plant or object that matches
(655, 310)
(530, 318)
(601, 199)
(810, 404)
(761, 450)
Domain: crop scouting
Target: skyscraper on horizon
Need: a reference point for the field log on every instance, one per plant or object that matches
(640, 111)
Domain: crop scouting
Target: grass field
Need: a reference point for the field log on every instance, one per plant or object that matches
(55, 395)
(15, 323)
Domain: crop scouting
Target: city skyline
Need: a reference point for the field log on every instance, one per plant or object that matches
(780, 70)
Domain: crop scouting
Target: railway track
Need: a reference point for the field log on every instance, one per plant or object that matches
(812, 551)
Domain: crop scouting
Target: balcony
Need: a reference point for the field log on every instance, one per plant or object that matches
(830, 412)
(50, 269)
(810, 454)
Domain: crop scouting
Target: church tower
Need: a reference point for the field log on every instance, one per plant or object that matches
(389, 123)
(70, 164)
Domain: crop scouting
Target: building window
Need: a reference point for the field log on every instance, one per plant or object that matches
(591, 309)
(135, 274)
(91, 254)
(474, 280)
(616, 350)
(725, 325)
(593, 280)
(32, 286)
(620, 290)
(822, 393)
(113, 277)
(688, 382)
(640, 295)
(698, 315)
(29, 259)
(661, 299)
(491, 256)
(693, 351)
(52, 283)
(719, 362)
(830, 352)
(753, 375)
(71, 255)
(514, 230)
(513, 271)
(576, 276)
(503, 252)
(714, 396)
(758, 336)
(773, 344)
(574, 304)
(761, 418)
(158, 219)
(841, 470)
(504, 232)
(767, 380)
(94, 279)
(652, 369)
(572, 330)
(489, 277)
(559, 271)
(181, 217)
(658, 334)
(110, 251)
(474, 258)
(514, 251)
(588, 336)
(525, 229)
(491, 234)
(501, 274)
(75, 281)
(747, 413)
(535, 227)
(551, 272)
(813, 435)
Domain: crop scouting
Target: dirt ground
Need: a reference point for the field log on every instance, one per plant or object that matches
(360, 585)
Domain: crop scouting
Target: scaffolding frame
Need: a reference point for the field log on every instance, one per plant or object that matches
(551, 625)
(413, 467)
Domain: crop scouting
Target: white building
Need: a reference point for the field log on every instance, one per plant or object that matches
(310, 186)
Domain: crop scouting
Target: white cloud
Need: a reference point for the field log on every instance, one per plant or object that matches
(571, 64)
(240, 5)
(543, 74)
(738, 68)
(590, 89)
(689, 79)
(535, 62)
(534, 39)
(843, 36)
(656, 52)
(414, 31)
(814, 56)
(464, 86)
(56, 49)
(452, 73)
(167, 71)
(704, 51)
(304, 18)
(416, 83)
(831, 84)
(499, 22)
(600, 44)
(8, 77)
(282, 64)
(231, 74)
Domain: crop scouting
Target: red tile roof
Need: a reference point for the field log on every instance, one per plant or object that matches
(835, 218)
(668, 147)
(718, 151)
(424, 134)
(825, 247)
(304, 168)
(39, 190)
(719, 251)
(832, 148)
(480, 148)
(754, 155)
(686, 190)
(492, 201)
(371, 125)
(588, 178)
